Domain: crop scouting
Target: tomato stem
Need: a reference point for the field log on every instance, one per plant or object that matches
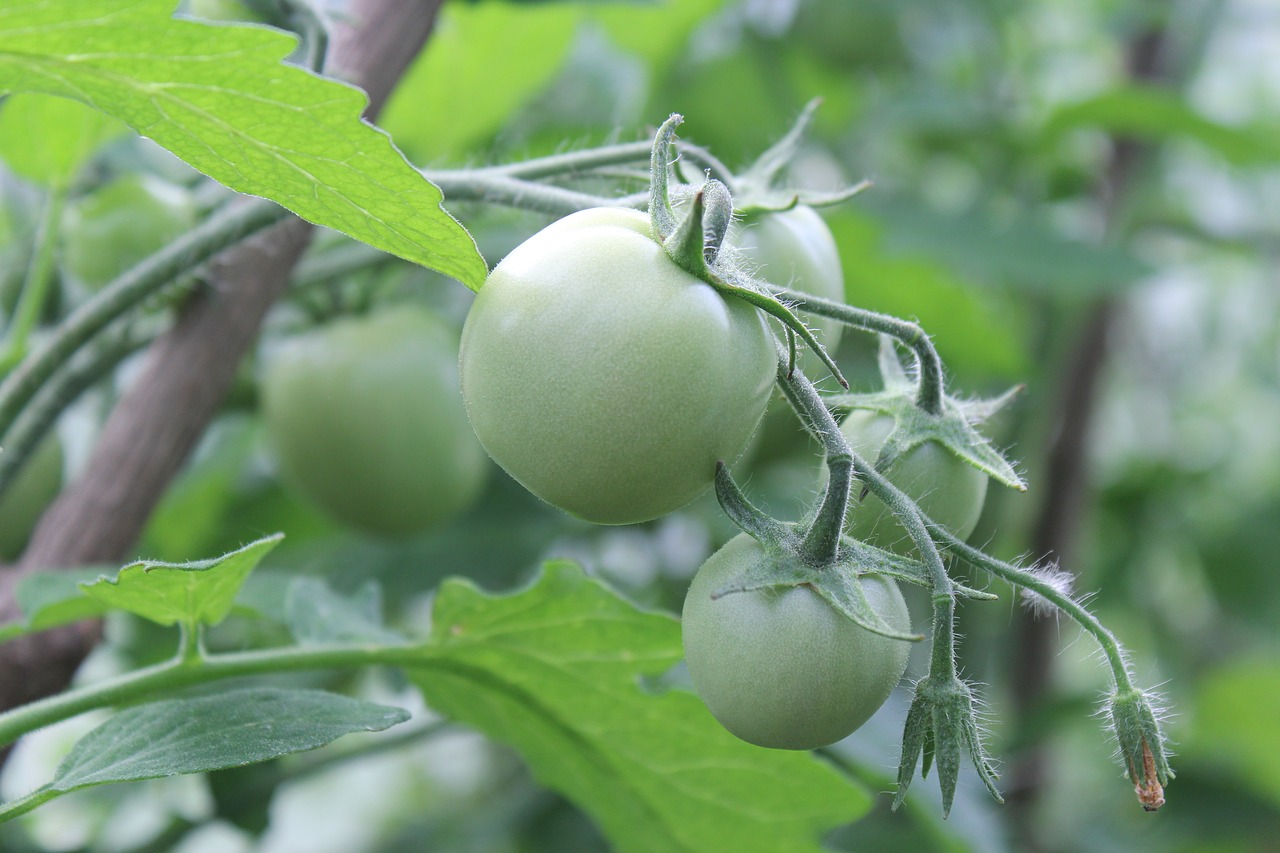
(35, 288)
(220, 231)
(929, 394)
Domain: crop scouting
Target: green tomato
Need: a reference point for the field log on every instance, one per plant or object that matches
(948, 489)
(794, 249)
(120, 224)
(785, 669)
(367, 421)
(28, 495)
(603, 377)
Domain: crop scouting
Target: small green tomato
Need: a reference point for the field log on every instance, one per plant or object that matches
(948, 489)
(784, 669)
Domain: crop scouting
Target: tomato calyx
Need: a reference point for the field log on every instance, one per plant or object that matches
(942, 723)
(695, 240)
(1136, 719)
(953, 427)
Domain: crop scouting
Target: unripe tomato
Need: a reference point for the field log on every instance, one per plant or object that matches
(120, 224)
(794, 249)
(606, 379)
(948, 489)
(784, 669)
(367, 421)
(28, 495)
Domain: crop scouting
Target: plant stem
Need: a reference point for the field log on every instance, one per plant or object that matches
(221, 230)
(182, 672)
(1065, 603)
(38, 797)
(31, 426)
(929, 394)
(35, 287)
(576, 163)
(514, 192)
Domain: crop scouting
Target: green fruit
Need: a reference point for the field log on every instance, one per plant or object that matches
(784, 669)
(120, 224)
(28, 495)
(947, 489)
(367, 421)
(606, 379)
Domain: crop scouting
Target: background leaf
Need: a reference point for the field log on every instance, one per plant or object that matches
(171, 593)
(46, 138)
(556, 672)
(221, 99)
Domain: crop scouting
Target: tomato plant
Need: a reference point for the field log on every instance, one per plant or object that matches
(784, 669)
(606, 379)
(366, 420)
(947, 489)
(36, 484)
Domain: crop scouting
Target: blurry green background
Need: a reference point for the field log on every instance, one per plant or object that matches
(1078, 195)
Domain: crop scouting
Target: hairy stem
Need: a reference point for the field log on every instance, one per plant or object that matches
(174, 261)
(929, 395)
(35, 287)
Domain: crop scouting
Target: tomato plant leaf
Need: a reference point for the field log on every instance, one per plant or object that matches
(317, 614)
(46, 139)
(221, 99)
(204, 733)
(556, 670)
(187, 593)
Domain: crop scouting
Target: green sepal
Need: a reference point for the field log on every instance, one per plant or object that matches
(941, 726)
(1142, 745)
(662, 218)
(757, 202)
(907, 569)
(953, 428)
(749, 518)
(836, 583)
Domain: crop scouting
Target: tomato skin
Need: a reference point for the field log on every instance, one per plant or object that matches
(784, 669)
(604, 378)
(120, 224)
(367, 422)
(948, 489)
(28, 494)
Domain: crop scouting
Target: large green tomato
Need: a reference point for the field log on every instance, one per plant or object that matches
(948, 489)
(785, 669)
(28, 495)
(367, 420)
(606, 379)
(120, 224)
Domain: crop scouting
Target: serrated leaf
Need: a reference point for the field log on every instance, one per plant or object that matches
(46, 139)
(555, 671)
(181, 593)
(221, 99)
(231, 729)
(317, 614)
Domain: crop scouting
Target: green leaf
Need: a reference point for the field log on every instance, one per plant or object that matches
(207, 733)
(46, 139)
(55, 597)
(1160, 114)
(221, 99)
(317, 614)
(556, 670)
(186, 593)
(468, 81)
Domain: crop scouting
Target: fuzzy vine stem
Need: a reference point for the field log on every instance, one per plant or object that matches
(185, 670)
(35, 287)
(578, 163)
(223, 229)
(929, 394)
(63, 388)
(493, 188)
(1026, 580)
